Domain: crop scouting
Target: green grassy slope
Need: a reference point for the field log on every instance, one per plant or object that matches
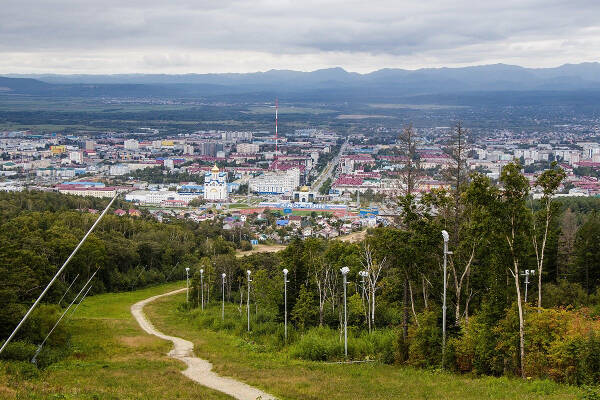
(112, 359)
(295, 379)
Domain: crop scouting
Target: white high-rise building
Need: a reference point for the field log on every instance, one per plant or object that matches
(76, 157)
(132, 144)
(247, 148)
(278, 182)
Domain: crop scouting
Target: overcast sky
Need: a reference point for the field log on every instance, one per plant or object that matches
(181, 36)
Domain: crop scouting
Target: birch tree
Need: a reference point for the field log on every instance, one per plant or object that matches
(548, 181)
(373, 269)
(515, 189)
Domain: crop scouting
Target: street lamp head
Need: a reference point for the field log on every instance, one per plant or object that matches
(248, 272)
(187, 270)
(445, 236)
(201, 271)
(285, 271)
(345, 270)
(223, 275)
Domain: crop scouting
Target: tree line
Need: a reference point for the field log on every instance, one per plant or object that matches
(497, 232)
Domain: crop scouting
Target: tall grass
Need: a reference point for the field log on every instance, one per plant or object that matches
(315, 344)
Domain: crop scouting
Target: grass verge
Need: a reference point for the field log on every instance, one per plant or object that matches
(287, 378)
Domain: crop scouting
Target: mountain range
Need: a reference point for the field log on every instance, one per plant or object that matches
(320, 85)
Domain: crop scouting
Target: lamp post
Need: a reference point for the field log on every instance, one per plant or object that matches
(187, 285)
(202, 287)
(345, 271)
(285, 282)
(363, 275)
(248, 300)
(223, 302)
(446, 252)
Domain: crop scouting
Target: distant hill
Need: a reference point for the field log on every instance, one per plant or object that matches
(321, 85)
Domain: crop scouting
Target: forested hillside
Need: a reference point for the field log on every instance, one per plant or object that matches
(38, 231)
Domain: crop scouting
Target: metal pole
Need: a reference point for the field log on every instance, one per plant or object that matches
(248, 302)
(202, 286)
(223, 303)
(345, 271)
(80, 301)
(285, 282)
(187, 285)
(446, 239)
(61, 317)
(56, 276)
(345, 321)
(67, 291)
(526, 283)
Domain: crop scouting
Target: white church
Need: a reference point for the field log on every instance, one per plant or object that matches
(215, 185)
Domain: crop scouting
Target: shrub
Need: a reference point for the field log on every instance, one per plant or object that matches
(318, 344)
(19, 351)
(473, 350)
(425, 339)
(382, 341)
(563, 294)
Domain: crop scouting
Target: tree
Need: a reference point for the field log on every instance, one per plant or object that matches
(373, 269)
(587, 254)
(568, 231)
(321, 272)
(549, 181)
(515, 189)
(304, 312)
(410, 173)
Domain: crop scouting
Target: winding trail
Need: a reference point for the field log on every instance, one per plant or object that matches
(198, 370)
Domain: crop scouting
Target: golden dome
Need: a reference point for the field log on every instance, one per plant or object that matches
(304, 189)
(215, 168)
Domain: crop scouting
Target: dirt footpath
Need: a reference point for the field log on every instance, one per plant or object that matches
(198, 370)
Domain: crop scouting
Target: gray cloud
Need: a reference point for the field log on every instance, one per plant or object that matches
(233, 35)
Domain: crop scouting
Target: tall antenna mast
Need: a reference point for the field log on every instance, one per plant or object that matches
(276, 138)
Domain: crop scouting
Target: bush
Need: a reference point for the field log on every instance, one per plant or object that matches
(19, 351)
(590, 393)
(318, 344)
(473, 350)
(563, 294)
(425, 339)
(382, 344)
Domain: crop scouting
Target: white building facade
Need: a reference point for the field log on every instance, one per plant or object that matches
(215, 185)
(278, 182)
